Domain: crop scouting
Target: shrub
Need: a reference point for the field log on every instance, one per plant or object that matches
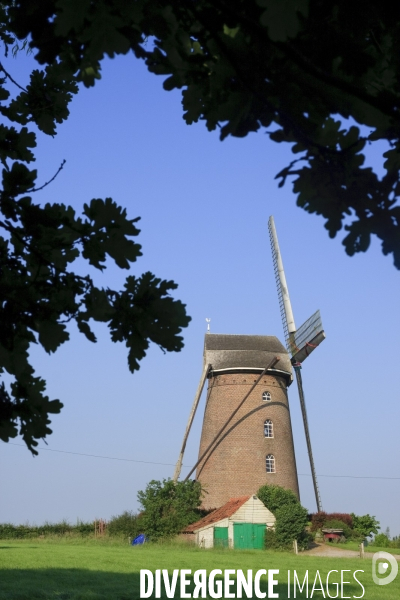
(336, 524)
(126, 524)
(343, 517)
(319, 519)
(169, 507)
(275, 496)
(10, 531)
(304, 540)
(291, 520)
(381, 540)
(270, 539)
(365, 525)
(356, 527)
(395, 543)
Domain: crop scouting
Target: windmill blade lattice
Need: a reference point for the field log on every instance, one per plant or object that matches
(299, 343)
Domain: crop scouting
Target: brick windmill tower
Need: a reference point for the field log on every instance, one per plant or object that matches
(256, 445)
(246, 438)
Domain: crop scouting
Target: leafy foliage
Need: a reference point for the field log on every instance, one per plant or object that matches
(270, 540)
(291, 518)
(381, 540)
(124, 525)
(127, 524)
(275, 496)
(395, 542)
(8, 531)
(355, 527)
(40, 292)
(319, 519)
(365, 525)
(169, 507)
(323, 77)
(338, 524)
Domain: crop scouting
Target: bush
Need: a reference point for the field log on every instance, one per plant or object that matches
(304, 540)
(343, 517)
(169, 506)
(291, 518)
(126, 524)
(9, 531)
(291, 521)
(381, 540)
(365, 525)
(336, 524)
(275, 496)
(395, 543)
(319, 519)
(354, 527)
(270, 539)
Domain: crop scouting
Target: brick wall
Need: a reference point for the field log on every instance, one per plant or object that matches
(236, 465)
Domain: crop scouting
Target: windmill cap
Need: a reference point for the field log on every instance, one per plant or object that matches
(245, 353)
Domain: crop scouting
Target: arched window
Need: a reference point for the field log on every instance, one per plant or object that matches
(266, 396)
(268, 429)
(270, 463)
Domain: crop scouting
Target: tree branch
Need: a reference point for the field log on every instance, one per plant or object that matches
(307, 66)
(10, 78)
(60, 168)
(8, 227)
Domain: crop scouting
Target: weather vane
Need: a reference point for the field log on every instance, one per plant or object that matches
(208, 324)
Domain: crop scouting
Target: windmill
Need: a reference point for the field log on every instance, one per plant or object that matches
(300, 343)
(246, 438)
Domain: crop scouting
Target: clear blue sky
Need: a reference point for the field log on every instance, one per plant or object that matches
(204, 207)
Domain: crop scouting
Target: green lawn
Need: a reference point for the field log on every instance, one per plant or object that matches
(102, 570)
(350, 545)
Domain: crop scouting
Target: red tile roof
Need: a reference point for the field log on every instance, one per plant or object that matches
(227, 510)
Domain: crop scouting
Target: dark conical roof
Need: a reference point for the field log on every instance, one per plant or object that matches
(244, 352)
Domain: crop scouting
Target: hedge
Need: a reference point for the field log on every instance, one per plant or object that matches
(10, 531)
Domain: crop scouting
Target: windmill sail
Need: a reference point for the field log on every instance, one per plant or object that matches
(306, 338)
(300, 343)
(283, 293)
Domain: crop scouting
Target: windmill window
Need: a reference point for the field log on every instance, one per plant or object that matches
(266, 396)
(270, 463)
(268, 429)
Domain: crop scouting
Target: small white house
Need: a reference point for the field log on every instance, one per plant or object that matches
(240, 523)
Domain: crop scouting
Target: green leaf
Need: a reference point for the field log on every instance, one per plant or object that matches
(109, 233)
(51, 335)
(98, 306)
(281, 17)
(231, 32)
(71, 15)
(18, 180)
(85, 329)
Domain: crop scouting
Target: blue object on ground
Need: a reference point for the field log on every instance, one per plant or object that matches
(140, 539)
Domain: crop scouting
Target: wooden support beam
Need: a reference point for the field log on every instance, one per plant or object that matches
(196, 401)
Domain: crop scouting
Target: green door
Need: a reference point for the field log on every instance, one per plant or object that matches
(258, 535)
(221, 537)
(248, 535)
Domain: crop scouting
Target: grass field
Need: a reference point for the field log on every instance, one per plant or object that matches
(350, 545)
(106, 570)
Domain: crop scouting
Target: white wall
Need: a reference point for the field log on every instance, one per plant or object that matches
(205, 537)
(252, 511)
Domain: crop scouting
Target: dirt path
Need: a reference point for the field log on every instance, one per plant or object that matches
(330, 550)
